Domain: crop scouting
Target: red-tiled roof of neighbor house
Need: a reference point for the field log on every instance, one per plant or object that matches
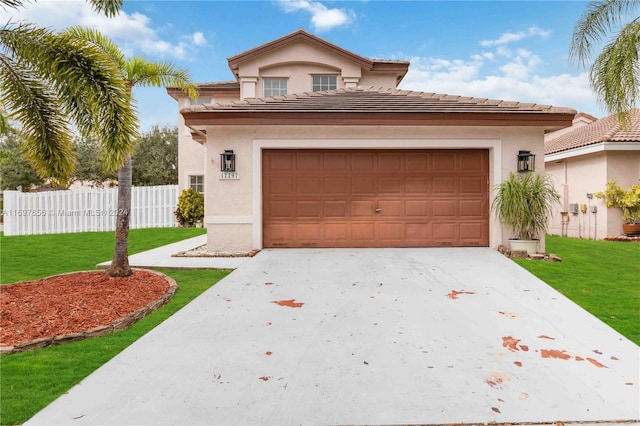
(606, 129)
(215, 87)
(232, 84)
(378, 106)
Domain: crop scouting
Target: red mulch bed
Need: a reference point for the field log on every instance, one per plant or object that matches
(72, 303)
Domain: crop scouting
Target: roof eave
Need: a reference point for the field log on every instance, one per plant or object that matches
(546, 120)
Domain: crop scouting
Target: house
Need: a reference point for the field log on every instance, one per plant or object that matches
(582, 159)
(312, 145)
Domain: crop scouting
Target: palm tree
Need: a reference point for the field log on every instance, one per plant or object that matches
(614, 74)
(136, 71)
(51, 82)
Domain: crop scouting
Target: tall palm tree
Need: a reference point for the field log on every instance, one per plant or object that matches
(615, 73)
(51, 82)
(136, 71)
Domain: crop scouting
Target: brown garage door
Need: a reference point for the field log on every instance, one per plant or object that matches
(375, 198)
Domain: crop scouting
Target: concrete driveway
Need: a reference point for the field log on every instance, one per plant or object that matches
(367, 336)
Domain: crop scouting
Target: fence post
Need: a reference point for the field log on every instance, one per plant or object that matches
(10, 216)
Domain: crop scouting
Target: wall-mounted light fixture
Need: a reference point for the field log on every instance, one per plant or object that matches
(228, 161)
(526, 161)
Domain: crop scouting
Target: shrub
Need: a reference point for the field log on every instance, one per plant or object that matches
(190, 209)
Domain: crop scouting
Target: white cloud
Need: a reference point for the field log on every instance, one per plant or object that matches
(507, 38)
(512, 81)
(198, 39)
(133, 32)
(322, 18)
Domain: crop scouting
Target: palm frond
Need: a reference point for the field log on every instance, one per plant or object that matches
(599, 18)
(108, 7)
(615, 73)
(143, 73)
(47, 142)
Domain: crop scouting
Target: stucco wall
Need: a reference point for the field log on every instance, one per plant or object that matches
(238, 202)
(575, 177)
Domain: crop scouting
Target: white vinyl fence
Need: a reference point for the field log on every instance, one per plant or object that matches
(54, 212)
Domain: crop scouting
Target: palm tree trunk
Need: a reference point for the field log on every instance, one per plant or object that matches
(120, 263)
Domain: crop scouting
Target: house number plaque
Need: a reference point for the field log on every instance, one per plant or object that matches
(229, 176)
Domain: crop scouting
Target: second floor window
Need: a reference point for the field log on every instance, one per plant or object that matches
(324, 82)
(274, 87)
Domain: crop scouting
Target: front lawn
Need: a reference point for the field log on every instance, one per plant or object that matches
(31, 257)
(29, 381)
(601, 276)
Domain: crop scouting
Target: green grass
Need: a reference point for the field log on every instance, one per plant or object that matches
(29, 381)
(32, 257)
(601, 276)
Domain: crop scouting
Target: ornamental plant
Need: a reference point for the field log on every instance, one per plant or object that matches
(525, 203)
(628, 200)
(190, 210)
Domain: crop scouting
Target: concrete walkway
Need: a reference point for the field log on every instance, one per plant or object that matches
(367, 336)
(162, 257)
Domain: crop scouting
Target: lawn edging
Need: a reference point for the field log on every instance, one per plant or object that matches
(119, 324)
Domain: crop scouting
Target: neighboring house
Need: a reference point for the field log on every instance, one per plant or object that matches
(582, 159)
(327, 152)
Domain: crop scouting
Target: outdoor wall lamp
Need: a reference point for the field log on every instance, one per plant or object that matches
(228, 161)
(526, 161)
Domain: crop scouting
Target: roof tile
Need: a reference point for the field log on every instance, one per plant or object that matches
(603, 130)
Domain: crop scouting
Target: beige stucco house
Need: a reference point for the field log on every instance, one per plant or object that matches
(327, 152)
(581, 160)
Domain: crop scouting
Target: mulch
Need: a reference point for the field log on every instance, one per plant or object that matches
(72, 303)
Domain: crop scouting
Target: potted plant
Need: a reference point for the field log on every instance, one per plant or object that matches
(525, 203)
(628, 200)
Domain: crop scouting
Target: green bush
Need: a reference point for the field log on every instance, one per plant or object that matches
(190, 209)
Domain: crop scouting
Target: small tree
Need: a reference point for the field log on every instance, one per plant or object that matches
(155, 157)
(15, 170)
(190, 210)
(628, 201)
(525, 203)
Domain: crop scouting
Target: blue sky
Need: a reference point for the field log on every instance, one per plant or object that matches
(510, 50)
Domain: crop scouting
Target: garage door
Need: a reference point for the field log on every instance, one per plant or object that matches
(375, 198)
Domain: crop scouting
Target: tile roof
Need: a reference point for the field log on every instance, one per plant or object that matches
(604, 130)
(232, 84)
(373, 100)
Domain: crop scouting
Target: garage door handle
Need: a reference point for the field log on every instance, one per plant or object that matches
(378, 210)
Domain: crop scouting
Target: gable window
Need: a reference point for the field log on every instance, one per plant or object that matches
(196, 183)
(324, 82)
(274, 87)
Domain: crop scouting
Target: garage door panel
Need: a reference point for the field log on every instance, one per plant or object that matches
(443, 161)
(336, 232)
(309, 161)
(281, 209)
(444, 230)
(336, 209)
(417, 185)
(308, 209)
(363, 231)
(444, 185)
(375, 198)
(336, 186)
(417, 208)
(444, 208)
(308, 233)
(470, 185)
(362, 209)
(309, 185)
(391, 231)
(280, 185)
(417, 162)
(363, 162)
(391, 185)
(390, 162)
(363, 185)
(391, 208)
(471, 209)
